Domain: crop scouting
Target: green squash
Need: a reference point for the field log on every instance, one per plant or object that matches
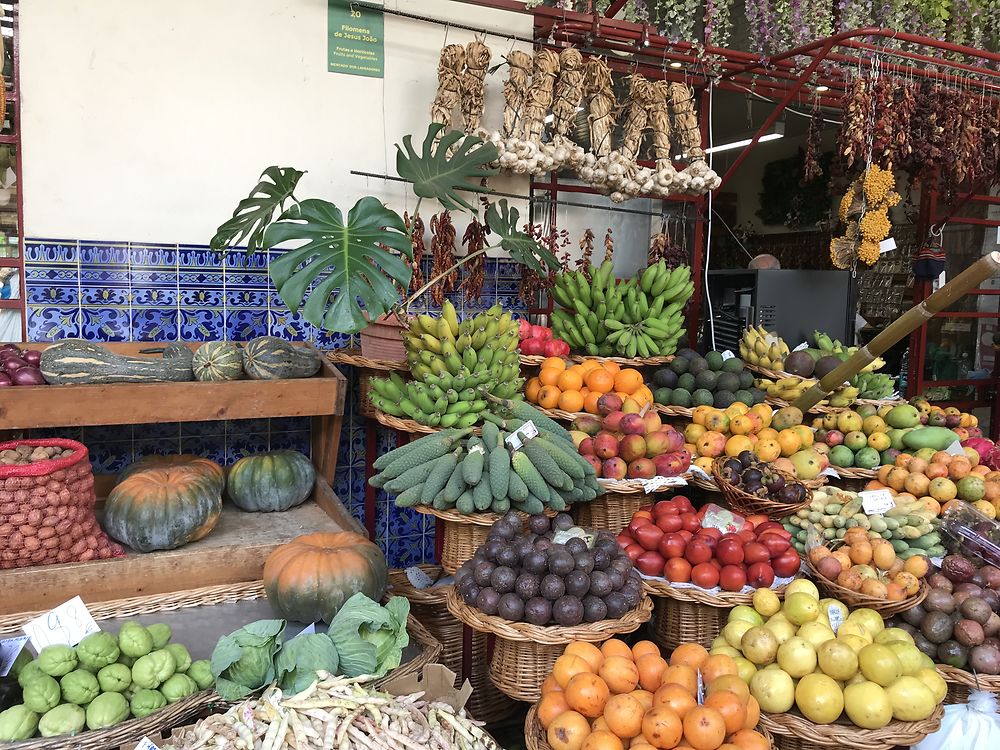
(272, 481)
(271, 358)
(218, 360)
(75, 361)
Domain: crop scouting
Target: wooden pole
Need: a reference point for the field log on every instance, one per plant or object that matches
(912, 319)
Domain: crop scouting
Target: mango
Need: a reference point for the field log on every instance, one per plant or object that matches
(937, 438)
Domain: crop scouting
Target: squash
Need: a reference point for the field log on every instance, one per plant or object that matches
(165, 507)
(218, 360)
(273, 481)
(78, 361)
(270, 358)
(205, 465)
(309, 578)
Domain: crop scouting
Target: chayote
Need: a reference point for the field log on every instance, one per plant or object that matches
(106, 710)
(153, 669)
(29, 672)
(79, 687)
(41, 694)
(114, 678)
(181, 656)
(201, 672)
(161, 633)
(97, 650)
(145, 702)
(17, 723)
(134, 640)
(177, 687)
(57, 660)
(128, 661)
(67, 718)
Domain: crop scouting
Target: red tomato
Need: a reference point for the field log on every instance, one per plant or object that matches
(688, 536)
(705, 575)
(755, 552)
(683, 504)
(732, 578)
(650, 563)
(691, 521)
(768, 525)
(669, 522)
(746, 536)
(760, 575)
(712, 532)
(624, 539)
(729, 552)
(677, 570)
(747, 526)
(647, 512)
(648, 536)
(633, 551)
(665, 507)
(729, 535)
(672, 546)
(715, 561)
(775, 544)
(787, 564)
(697, 552)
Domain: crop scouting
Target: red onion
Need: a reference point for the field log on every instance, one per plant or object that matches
(33, 357)
(5, 381)
(13, 363)
(10, 348)
(27, 376)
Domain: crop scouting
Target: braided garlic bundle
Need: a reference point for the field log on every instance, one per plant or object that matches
(665, 176)
(477, 61)
(568, 95)
(626, 179)
(697, 178)
(543, 81)
(600, 105)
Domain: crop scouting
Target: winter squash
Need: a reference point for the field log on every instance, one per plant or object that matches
(271, 358)
(273, 481)
(164, 507)
(309, 578)
(78, 361)
(218, 360)
(205, 465)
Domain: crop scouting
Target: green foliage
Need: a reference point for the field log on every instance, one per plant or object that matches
(437, 173)
(254, 213)
(370, 638)
(523, 248)
(243, 661)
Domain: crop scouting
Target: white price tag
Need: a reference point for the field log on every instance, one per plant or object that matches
(887, 245)
(10, 649)
(477, 449)
(955, 449)
(418, 578)
(936, 561)
(658, 483)
(308, 630)
(836, 617)
(698, 471)
(701, 689)
(147, 744)
(876, 501)
(727, 355)
(800, 347)
(521, 435)
(67, 624)
(829, 471)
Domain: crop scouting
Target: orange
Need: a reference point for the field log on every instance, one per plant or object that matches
(620, 673)
(732, 683)
(550, 707)
(568, 732)
(623, 713)
(729, 705)
(602, 739)
(651, 668)
(641, 648)
(611, 366)
(717, 665)
(600, 381)
(570, 380)
(683, 675)
(675, 697)
(704, 728)
(555, 363)
(531, 389)
(616, 647)
(753, 713)
(628, 380)
(590, 402)
(549, 375)
(691, 654)
(548, 397)
(662, 728)
(588, 652)
(741, 425)
(587, 693)
(790, 442)
(571, 401)
(550, 685)
(643, 395)
(589, 364)
(737, 444)
(567, 666)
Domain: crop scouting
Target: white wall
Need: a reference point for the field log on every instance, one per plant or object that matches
(148, 121)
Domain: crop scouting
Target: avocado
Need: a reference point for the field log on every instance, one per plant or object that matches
(745, 397)
(826, 365)
(728, 381)
(799, 363)
(686, 382)
(680, 365)
(665, 378)
(680, 397)
(714, 360)
(724, 399)
(688, 354)
(759, 397)
(662, 396)
(746, 379)
(697, 365)
(733, 364)
(706, 379)
(702, 397)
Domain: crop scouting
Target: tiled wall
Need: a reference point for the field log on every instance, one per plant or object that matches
(122, 291)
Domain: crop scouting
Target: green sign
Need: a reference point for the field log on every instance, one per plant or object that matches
(355, 39)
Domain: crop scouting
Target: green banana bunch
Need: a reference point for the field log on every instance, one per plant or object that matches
(874, 385)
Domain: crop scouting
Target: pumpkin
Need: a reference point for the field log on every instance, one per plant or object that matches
(165, 507)
(218, 360)
(309, 578)
(178, 459)
(271, 358)
(273, 481)
(78, 361)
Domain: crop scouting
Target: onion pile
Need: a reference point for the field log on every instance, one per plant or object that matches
(20, 368)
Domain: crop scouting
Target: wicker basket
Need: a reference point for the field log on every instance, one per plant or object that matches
(851, 472)
(352, 356)
(537, 359)
(611, 511)
(408, 425)
(523, 654)
(791, 731)
(747, 504)
(428, 605)
(960, 682)
(636, 486)
(674, 411)
(854, 599)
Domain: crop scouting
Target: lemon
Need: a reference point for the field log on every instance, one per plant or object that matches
(766, 602)
(803, 585)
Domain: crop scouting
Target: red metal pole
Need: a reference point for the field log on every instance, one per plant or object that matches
(614, 7)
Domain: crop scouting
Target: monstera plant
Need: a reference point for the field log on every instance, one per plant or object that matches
(342, 273)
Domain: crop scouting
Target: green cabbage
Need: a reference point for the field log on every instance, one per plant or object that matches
(106, 710)
(97, 650)
(299, 659)
(201, 672)
(243, 661)
(17, 723)
(160, 633)
(370, 638)
(79, 687)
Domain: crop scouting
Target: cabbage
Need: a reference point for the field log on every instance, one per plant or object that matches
(370, 638)
(299, 659)
(243, 661)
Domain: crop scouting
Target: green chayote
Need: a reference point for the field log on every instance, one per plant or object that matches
(17, 723)
(57, 660)
(181, 656)
(41, 694)
(106, 710)
(153, 669)
(177, 687)
(161, 634)
(201, 672)
(29, 672)
(128, 661)
(79, 687)
(65, 719)
(97, 650)
(145, 702)
(114, 678)
(134, 640)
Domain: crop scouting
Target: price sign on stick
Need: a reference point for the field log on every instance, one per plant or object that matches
(146, 744)
(10, 649)
(67, 624)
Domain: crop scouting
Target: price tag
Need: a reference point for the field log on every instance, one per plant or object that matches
(308, 630)
(573, 532)
(887, 245)
(800, 347)
(836, 617)
(67, 624)
(955, 449)
(521, 435)
(936, 561)
(418, 578)
(658, 483)
(829, 471)
(146, 744)
(727, 355)
(724, 520)
(477, 449)
(701, 689)
(876, 501)
(10, 649)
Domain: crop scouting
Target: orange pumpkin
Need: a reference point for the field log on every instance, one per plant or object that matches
(309, 578)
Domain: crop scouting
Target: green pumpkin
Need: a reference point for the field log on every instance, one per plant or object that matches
(273, 481)
(218, 360)
(271, 358)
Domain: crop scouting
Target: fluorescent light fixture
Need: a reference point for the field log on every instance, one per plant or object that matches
(778, 132)
(675, 64)
(821, 89)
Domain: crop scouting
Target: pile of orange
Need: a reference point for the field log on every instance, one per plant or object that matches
(578, 388)
(615, 697)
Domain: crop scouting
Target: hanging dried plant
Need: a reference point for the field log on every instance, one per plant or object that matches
(474, 240)
(856, 105)
(568, 95)
(811, 168)
(515, 92)
(477, 61)
(543, 80)
(415, 229)
(597, 78)
(443, 237)
(587, 247)
(700, 177)
(451, 67)
(609, 245)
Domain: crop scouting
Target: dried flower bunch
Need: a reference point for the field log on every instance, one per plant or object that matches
(865, 210)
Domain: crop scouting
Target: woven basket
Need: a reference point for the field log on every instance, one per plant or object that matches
(960, 682)
(674, 411)
(780, 403)
(353, 357)
(537, 359)
(792, 731)
(852, 472)
(854, 599)
(635, 486)
(747, 504)
(523, 654)
(709, 485)
(408, 425)
(611, 511)
(428, 605)
(47, 509)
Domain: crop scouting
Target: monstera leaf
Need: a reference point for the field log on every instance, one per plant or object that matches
(435, 174)
(344, 259)
(254, 213)
(522, 247)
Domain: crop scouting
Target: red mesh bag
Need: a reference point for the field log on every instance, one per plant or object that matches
(47, 509)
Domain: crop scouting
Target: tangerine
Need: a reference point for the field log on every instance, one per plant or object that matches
(600, 381)
(641, 648)
(717, 665)
(531, 389)
(616, 647)
(549, 375)
(620, 673)
(570, 380)
(628, 380)
(571, 401)
(704, 728)
(555, 363)
(662, 728)
(747, 739)
(586, 693)
(753, 713)
(589, 364)
(550, 685)
(590, 402)
(567, 666)
(683, 675)
(548, 397)
(611, 366)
